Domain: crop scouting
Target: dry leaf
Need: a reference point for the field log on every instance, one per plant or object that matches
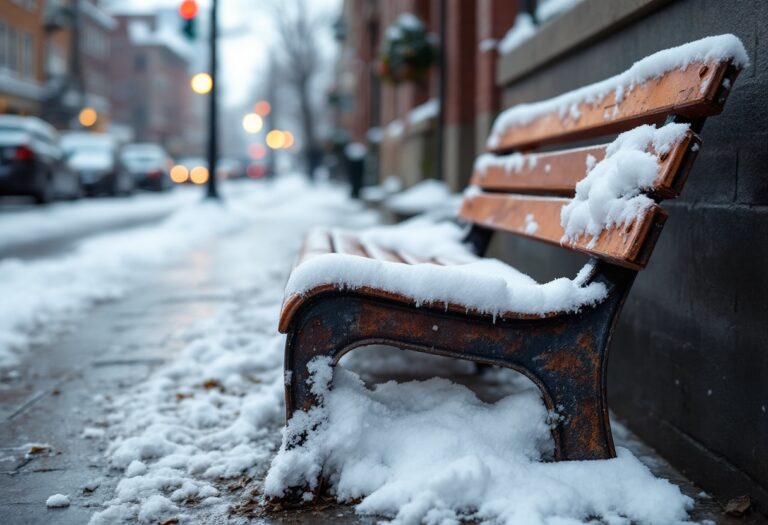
(738, 506)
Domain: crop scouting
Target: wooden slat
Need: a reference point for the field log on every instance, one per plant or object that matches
(558, 172)
(629, 247)
(348, 244)
(317, 242)
(380, 253)
(692, 93)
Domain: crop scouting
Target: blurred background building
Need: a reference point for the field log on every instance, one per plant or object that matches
(22, 56)
(400, 122)
(58, 57)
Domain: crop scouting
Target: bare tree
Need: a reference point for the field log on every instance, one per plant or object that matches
(299, 60)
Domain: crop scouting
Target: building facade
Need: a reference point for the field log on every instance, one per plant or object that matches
(403, 119)
(22, 43)
(149, 60)
(688, 363)
(77, 55)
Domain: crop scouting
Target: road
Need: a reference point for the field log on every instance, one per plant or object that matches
(28, 231)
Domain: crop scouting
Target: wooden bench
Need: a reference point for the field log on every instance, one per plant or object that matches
(564, 353)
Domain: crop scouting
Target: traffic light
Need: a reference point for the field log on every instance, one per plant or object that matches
(188, 12)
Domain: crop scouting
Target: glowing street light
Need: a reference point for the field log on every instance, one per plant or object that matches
(88, 117)
(257, 151)
(252, 123)
(262, 108)
(201, 83)
(199, 175)
(179, 174)
(288, 139)
(275, 139)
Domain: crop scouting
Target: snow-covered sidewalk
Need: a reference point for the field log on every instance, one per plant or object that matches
(185, 441)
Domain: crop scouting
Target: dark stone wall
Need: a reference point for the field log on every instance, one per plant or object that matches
(689, 362)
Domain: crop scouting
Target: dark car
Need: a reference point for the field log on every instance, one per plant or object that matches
(32, 161)
(95, 157)
(149, 165)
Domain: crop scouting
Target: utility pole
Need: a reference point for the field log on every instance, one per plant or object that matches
(213, 113)
(272, 116)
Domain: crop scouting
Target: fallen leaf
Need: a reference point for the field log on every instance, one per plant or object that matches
(212, 383)
(738, 506)
(37, 449)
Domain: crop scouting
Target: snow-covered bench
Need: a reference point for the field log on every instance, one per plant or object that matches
(422, 287)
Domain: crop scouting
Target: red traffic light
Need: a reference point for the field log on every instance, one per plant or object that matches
(188, 9)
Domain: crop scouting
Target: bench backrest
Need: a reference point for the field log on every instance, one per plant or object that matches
(523, 192)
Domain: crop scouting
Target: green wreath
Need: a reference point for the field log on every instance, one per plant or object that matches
(408, 51)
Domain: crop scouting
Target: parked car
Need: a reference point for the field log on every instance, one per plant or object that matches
(149, 165)
(95, 157)
(32, 161)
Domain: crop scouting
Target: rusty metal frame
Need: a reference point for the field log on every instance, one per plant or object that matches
(564, 355)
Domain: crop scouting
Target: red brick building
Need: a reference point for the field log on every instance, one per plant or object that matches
(22, 41)
(150, 60)
(405, 117)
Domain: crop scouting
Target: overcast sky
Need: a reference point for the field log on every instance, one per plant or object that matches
(248, 33)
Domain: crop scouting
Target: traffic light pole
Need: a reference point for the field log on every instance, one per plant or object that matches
(213, 113)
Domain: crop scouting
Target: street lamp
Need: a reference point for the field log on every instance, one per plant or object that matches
(201, 83)
(262, 108)
(288, 139)
(252, 123)
(275, 139)
(88, 117)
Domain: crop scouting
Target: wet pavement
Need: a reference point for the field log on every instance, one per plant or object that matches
(59, 392)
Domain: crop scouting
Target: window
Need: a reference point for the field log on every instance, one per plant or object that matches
(140, 62)
(3, 45)
(29, 5)
(28, 56)
(13, 50)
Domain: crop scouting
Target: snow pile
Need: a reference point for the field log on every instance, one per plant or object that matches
(57, 501)
(484, 285)
(424, 196)
(355, 151)
(710, 49)
(431, 452)
(549, 9)
(523, 29)
(512, 163)
(208, 417)
(378, 192)
(610, 195)
(211, 417)
(425, 111)
(374, 135)
(395, 129)
(69, 218)
(42, 297)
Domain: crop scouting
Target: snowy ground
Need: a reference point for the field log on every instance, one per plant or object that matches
(195, 441)
(41, 297)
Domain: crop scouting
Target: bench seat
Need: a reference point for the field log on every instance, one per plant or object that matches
(446, 275)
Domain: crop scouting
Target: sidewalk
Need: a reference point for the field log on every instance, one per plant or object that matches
(78, 408)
